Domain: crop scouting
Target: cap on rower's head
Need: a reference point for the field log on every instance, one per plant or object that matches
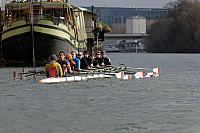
(53, 57)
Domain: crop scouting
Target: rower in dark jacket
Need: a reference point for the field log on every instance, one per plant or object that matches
(106, 60)
(86, 61)
(98, 60)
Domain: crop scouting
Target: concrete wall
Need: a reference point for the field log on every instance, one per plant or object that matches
(118, 28)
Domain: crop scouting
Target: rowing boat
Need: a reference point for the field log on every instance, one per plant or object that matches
(73, 78)
(123, 73)
(118, 75)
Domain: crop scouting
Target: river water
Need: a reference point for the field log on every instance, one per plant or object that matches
(166, 104)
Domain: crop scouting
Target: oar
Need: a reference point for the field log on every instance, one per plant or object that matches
(24, 73)
(36, 71)
(97, 69)
(32, 74)
(138, 68)
(130, 72)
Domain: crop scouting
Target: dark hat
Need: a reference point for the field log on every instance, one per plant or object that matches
(53, 57)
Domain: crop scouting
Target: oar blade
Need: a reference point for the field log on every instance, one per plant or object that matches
(139, 75)
(157, 72)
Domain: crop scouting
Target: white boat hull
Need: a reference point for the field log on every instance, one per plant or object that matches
(73, 78)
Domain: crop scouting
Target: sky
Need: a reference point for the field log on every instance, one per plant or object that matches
(117, 3)
(123, 3)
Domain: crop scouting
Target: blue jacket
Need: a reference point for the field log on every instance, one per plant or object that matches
(78, 62)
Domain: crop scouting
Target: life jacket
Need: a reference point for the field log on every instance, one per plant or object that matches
(52, 72)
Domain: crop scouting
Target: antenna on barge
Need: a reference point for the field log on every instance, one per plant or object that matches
(32, 29)
(0, 32)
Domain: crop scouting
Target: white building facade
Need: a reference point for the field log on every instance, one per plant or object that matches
(136, 25)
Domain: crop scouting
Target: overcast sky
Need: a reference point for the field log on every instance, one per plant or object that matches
(118, 3)
(123, 3)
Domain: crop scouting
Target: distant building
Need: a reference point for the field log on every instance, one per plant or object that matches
(136, 25)
(113, 15)
(126, 22)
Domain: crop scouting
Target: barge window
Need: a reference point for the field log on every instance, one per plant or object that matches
(47, 12)
(57, 13)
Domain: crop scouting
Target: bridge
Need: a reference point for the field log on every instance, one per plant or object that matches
(124, 42)
(116, 37)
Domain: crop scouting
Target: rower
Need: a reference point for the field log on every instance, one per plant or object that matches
(64, 63)
(53, 69)
(70, 60)
(98, 60)
(79, 55)
(84, 61)
(106, 60)
(88, 58)
(76, 60)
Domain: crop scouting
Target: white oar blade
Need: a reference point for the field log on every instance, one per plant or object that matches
(149, 75)
(157, 71)
(119, 75)
(127, 77)
(139, 75)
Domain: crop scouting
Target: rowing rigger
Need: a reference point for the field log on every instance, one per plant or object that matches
(123, 73)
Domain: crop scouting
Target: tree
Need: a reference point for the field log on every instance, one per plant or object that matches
(179, 31)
